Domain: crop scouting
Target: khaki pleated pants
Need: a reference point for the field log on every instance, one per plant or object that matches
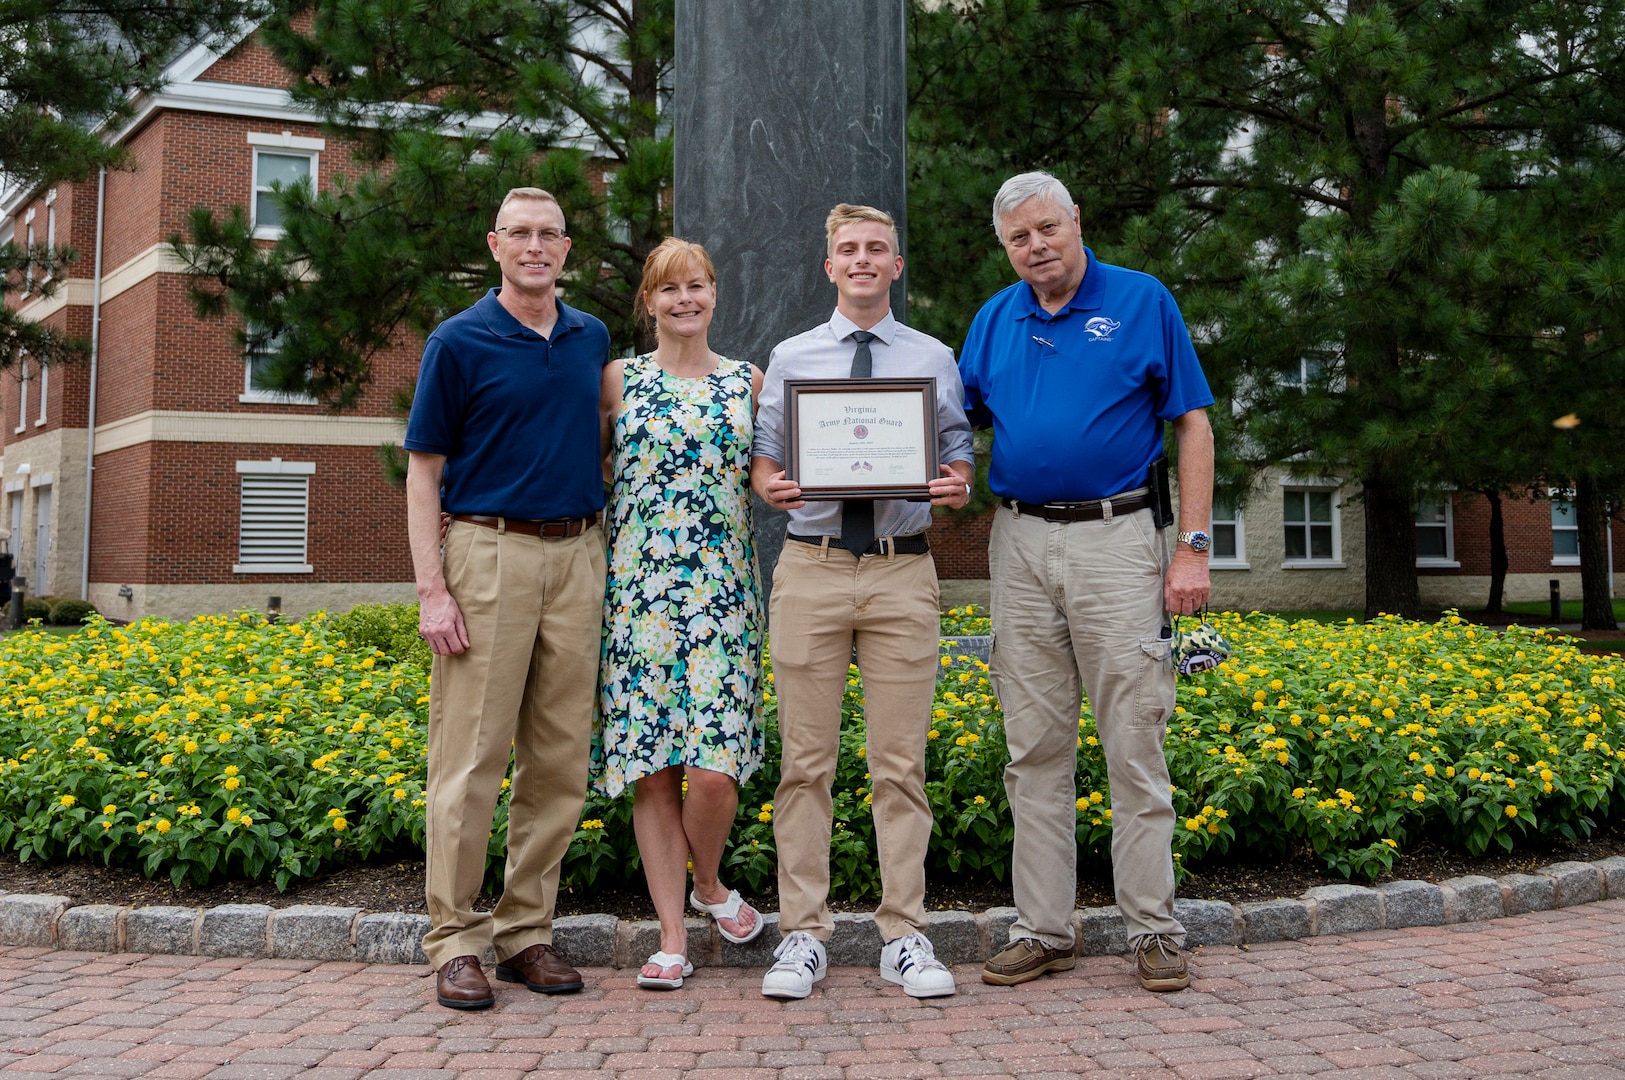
(1082, 602)
(526, 684)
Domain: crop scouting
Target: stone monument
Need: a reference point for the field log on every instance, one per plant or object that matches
(782, 110)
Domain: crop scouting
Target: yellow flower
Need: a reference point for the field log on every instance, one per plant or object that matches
(231, 770)
(190, 747)
(233, 814)
(68, 800)
(979, 801)
(1512, 811)
(232, 783)
(339, 824)
(109, 809)
(245, 821)
(400, 793)
(1419, 795)
(163, 825)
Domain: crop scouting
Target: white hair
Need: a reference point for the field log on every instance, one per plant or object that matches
(1023, 186)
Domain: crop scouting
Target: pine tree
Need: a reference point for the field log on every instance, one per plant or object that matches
(1331, 190)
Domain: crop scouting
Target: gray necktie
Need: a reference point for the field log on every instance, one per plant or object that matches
(858, 515)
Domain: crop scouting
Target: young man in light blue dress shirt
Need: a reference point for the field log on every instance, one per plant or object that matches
(883, 597)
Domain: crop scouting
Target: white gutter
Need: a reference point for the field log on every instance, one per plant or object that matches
(95, 347)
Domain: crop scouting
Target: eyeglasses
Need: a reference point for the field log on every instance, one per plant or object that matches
(546, 236)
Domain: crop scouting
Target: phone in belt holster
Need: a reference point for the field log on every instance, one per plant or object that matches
(1162, 497)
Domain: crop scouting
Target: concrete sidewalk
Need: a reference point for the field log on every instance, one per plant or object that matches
(1541, 994)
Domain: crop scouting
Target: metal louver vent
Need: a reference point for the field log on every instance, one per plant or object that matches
(275, 521)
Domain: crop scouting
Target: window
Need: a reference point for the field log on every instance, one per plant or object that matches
(274, 529)
(283, 159)
(28, 256)
(262, 349)
(1565, 533)
(1435, 532)
(44, 389)
(22, 396)
(1229, 540)
(50, 226)
(1312, 530)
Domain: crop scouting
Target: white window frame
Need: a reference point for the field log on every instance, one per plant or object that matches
(1449, 561)
(261, 483)
(1310, 484)
(255, 395)
(1237, 520)
(50, 226)
(1563, 496)
(44, 389)
(28, 256)
(285, 144)
(22, 397)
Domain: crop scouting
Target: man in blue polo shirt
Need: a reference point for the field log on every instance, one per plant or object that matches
(503, 437)
(1077, 366)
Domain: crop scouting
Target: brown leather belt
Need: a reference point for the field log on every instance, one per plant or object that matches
(1083, 511)
(556, 529)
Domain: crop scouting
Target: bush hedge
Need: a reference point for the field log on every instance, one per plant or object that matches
(230, 746)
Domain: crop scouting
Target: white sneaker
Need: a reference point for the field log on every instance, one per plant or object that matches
(801, 962)
(912, 964)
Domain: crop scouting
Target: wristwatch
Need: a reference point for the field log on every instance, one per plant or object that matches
(1197, 539)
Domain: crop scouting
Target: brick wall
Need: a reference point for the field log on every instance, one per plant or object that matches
(168, 513)
(960, 546)
(249, 64)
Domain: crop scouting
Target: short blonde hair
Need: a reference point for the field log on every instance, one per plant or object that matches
(850, 214)
(533, 193)
(666, 262)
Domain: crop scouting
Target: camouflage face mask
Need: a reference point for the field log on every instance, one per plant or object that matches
(1198, 648)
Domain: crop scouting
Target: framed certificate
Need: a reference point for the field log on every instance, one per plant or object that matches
(861, 438)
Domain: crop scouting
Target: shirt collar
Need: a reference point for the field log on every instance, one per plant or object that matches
(500, 321)
(842, 327)
(1090, 295)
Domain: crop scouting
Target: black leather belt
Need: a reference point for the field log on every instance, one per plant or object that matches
(556, 529)
(1083, 511)
(896, 545)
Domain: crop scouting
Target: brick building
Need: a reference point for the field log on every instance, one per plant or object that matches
(1299, 544)
(198, 491)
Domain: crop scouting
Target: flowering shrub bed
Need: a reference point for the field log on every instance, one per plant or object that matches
(228, 746)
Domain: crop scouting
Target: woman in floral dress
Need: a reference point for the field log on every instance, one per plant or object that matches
(679, 697)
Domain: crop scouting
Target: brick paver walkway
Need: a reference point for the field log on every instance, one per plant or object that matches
(1537, 995)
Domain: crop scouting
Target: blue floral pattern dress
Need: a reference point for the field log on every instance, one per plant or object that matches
(682, 654)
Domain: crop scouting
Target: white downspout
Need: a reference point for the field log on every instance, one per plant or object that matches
(95, 345)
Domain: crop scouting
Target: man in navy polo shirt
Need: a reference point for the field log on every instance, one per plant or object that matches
(1077, 366)
(503, 436)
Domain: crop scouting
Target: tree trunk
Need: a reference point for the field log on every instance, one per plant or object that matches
(1498, 553)
(1390, 546)
(1591, 514)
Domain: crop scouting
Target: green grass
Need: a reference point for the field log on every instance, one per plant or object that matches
(59, 631)
(1571, 609)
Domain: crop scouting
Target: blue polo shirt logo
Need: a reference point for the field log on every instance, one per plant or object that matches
(1101, 328)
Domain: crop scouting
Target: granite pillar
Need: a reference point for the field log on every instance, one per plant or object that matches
(782, 110)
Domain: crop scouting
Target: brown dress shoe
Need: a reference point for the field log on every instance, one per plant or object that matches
(1161, 963)
(1025, 959)
(541, 969)
(460, 984)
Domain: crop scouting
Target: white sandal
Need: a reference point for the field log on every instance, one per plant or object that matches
(665, 960)
(729, 909)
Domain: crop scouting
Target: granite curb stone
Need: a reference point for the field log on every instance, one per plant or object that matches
(89, 928)
(27, 919)
(1521, 893)
(314, 932)
(161, 929)
(235, 930)
(1471, 899)
(317, 932)
(1344, 909)
(1573, 883)
(1612, 870)
(1411, 903)
(1275, 920)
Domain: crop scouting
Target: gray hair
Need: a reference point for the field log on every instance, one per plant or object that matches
(533, 193)
(1028, 185)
